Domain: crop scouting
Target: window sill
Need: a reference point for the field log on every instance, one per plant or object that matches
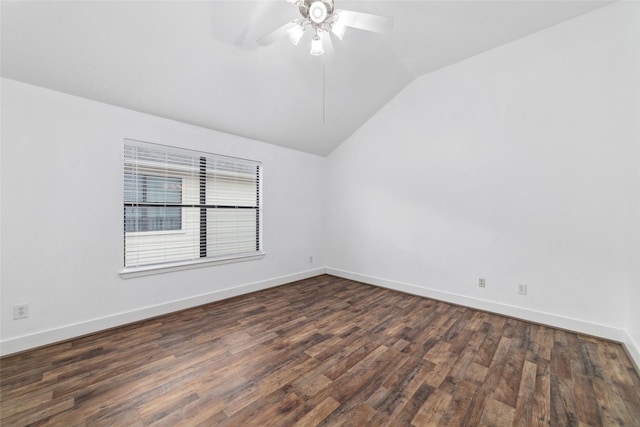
(132, 272)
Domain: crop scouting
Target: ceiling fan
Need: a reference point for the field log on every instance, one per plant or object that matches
(321, 18)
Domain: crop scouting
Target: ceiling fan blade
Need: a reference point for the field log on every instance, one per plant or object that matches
(247, 36)
(274, 36)
(366, 21)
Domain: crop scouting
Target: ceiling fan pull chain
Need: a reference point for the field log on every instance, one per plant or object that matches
(323, 88)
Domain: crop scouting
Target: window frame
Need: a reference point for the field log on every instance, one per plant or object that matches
(203, 261)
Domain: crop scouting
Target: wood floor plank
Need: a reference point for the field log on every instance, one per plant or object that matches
(413, 405)
(584, 395)
(433, 409)
(474, 412)
(402, 385)
(39, 412)
(512, 371)
(192, 413)
(541, 409)
(323, 352)
(268, 385)
(524, 402)
(563, 407)
(457, 413)
(318, 414)
(496, 414)
(611, 405)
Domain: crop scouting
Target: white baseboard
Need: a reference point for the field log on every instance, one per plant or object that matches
(557, 321)
(50, 336)
(633, 350)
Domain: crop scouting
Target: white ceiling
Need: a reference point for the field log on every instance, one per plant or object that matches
(197, 61)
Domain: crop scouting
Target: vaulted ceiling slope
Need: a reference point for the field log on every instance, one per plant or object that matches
(198, 62)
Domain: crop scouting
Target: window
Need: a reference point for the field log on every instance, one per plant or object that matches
(183, 207)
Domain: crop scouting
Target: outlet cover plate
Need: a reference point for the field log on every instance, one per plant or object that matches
(20, 311)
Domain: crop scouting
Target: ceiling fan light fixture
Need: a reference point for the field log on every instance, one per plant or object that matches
(316, 46)
(295, 33)
(318, 12)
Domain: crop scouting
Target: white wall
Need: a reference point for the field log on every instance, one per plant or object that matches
(518, 166)
(62, 238)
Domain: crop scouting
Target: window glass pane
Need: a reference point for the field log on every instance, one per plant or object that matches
(152, 189)
(160, 189)
(148, 218)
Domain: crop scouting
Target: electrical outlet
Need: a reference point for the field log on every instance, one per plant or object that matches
(522, 289)
(310, 259)
(20, 311)
(481, 283)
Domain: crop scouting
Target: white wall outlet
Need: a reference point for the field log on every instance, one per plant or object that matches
(522, 289)
(310, 259)
(20, 311)
(481, 283)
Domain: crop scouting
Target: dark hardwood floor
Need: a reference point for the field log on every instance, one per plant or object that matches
(324, 351)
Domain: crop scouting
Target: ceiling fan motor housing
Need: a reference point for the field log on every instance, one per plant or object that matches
(317, 11)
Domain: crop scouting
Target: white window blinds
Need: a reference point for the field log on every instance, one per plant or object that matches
(184, 206)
